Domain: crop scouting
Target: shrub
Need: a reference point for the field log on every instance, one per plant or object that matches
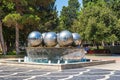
(11, 53)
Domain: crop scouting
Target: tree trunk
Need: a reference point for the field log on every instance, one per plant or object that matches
(17, 39)
(103, 44)
(2, 39)
(97, 45)
(113, 43)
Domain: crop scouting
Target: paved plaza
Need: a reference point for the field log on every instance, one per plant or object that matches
(98, 72)
(25, 73)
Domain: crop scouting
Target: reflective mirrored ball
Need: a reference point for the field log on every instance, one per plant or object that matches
(34, 38)
(76, 38)
(50, 39)
(43, 34)
(65, 38)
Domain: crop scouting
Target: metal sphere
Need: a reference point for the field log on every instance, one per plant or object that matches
(76, 38)
(43, 35)
(50, 39)
(65, 38)
(58, 36)
(34, 38)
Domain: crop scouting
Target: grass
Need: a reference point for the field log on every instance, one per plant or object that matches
(12, 54)
(94, 47)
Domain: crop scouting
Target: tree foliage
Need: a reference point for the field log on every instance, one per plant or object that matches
(96, 22)
(47, 13)
(115, 6)
(12, 19)
(28, 15)
(69, 14)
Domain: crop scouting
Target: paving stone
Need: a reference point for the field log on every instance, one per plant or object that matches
(114, 78)
(99, 70)
(20, 73)
(87, 78)
(14, 78)
(26, 74)
(117, 73)
(49, 78)
(63, 73)
(74, 70)
(96, 73)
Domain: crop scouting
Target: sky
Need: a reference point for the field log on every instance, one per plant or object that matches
(61, 3)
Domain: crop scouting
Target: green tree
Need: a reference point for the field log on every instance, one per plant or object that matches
(14, 20)
(46, 10)
(2, 43)
(96, 23)
(3, 11)
(69, 14)
(50, 19)
(117, 30)
(115, 6)
(32, 12)
(11, 8)
(87, 2)
(30, 22)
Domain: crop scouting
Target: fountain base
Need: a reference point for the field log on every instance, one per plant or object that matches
(35, 54)
(21, 63)
(54, 54)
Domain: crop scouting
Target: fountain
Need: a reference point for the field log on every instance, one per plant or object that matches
(42, 55)
(57, 51)
(54, 51)
(49, 52)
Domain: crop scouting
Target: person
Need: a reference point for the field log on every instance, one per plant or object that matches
(86, 48)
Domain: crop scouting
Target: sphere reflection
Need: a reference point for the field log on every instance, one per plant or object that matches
(34, 38)
(76, 38)
(50, 39)
(65, 38)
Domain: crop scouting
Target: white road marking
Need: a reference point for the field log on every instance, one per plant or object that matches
(29, 71)
(45, 74)
(26, 71)
(10, 69)
(71, 76)
(31, 78)
(9, 75)
(107, 76)
(80, 73)
(1, 70)
(15, 73)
